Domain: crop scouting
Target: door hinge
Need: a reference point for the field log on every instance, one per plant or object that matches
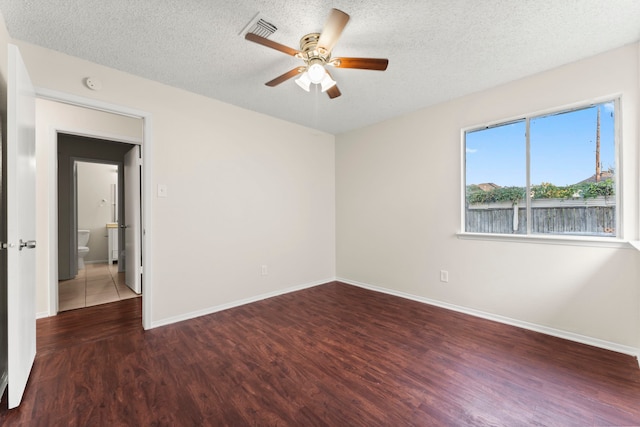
(140, 269)
(139, 161)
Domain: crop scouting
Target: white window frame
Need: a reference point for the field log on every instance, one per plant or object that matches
(581, 240)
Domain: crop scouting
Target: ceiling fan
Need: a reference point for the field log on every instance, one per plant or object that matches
(315, 51)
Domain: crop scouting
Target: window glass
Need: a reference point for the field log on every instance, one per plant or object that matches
(496, 160)
(573, 172)
(572, 175)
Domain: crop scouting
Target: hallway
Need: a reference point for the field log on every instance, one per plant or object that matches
(96, 284)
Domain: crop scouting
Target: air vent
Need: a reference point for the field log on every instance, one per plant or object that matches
(259, 26)
(263, 28)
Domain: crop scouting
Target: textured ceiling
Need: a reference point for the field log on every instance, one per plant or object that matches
(437, 50)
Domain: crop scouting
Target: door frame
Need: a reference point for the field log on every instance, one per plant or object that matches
(146, 153)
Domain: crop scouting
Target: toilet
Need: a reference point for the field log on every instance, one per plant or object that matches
(83, 249)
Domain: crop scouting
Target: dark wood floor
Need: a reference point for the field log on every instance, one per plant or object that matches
(333, 355)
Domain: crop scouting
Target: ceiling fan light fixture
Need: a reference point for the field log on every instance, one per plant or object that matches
(327, 82)
(316, 72)
(304, 81)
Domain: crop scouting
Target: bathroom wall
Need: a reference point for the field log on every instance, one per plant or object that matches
(95, 183)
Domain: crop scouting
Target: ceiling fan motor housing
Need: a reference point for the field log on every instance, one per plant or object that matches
(309, 50)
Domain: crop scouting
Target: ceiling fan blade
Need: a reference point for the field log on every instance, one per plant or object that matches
(332, 29)
(270, 43)
(361, 63)
(333, 92)
(286, 76)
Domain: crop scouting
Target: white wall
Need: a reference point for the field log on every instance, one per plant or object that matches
(244, 190)
(95, 205)
(399, 203)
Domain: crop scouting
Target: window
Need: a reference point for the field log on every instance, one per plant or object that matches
(559, 178)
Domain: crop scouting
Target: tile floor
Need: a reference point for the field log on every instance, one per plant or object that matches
(96, 284)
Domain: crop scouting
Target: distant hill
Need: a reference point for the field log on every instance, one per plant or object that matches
(603, 177)
(488, 186)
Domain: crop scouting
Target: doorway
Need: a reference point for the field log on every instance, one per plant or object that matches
(73, 115)
(93, 199)
(95, 271)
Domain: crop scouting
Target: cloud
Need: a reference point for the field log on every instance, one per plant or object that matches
(609, 106)
(472, 150)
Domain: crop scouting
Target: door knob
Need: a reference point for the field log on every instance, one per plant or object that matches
(29, 244)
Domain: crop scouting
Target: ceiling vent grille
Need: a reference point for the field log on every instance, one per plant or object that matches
(263, 28)
(260, 26)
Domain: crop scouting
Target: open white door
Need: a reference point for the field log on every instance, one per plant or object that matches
(21, 226)
(132, 232)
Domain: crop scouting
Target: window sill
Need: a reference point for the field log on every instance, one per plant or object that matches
(635, 244)
(603, 242)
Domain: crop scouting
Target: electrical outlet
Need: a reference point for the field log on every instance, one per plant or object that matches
(265, 270)
(444, 276)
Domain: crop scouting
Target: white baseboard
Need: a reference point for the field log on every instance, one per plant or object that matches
(42, 314)
(217, 308)
(595, 342)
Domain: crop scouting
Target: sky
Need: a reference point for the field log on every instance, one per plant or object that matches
(563, 148)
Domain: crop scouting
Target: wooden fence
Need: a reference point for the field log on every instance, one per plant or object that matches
(592, 217)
